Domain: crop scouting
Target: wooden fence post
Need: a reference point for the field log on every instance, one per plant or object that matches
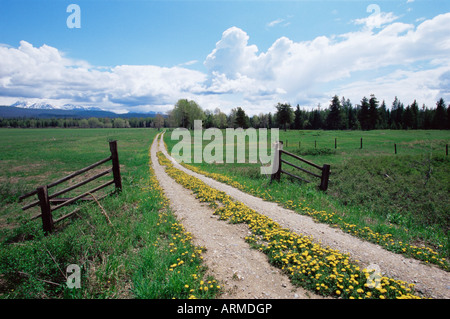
(325, 176)
(361, 143)
(395, 148)
(115, 165)
(47, 219)
(277, 161)
(335, 143)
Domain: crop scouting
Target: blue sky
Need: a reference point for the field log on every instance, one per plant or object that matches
(137, 55)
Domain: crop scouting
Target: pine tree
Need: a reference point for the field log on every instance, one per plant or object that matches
(316, 120)
(397, 114)
(298, 118)
(241, 118)
(373, 112)
(415, 115)
(408, 118)
(363, 115)
(440, 116)
(333, 121)
(383, 116)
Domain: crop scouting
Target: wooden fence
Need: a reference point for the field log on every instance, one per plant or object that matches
(45, 200)
(324, 170)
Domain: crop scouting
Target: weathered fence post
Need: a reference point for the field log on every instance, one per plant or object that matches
(361, 142)
(335, 143)
(395, 148)
(46, 211)
(446, 149)
(325, 176)
(277, 161)
(115, 165)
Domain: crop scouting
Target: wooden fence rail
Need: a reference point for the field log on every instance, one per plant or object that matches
(45, 200)
(325, 169)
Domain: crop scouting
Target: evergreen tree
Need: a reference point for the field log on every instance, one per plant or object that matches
(241, 118)
(415, 115)
(333, 120)
(383, 116)
(440, 116)
(397, 114)
(427, 118)
(298, 118)
(316, 120)
(373, 112)
(364, 115)
(408, 118)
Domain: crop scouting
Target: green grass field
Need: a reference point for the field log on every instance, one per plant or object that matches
(404, 196)
(129, 258)
(397, 200)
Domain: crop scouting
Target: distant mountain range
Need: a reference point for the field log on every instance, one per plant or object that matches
(45, 110)
(47, 106)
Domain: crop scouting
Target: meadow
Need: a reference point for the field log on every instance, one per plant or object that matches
(143, 252)
(399, 200)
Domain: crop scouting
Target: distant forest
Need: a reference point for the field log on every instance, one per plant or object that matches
(339, 115)
(92, 122)
(369, 114)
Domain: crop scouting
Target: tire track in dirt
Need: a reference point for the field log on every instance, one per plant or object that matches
(244, 272)
(429, 279)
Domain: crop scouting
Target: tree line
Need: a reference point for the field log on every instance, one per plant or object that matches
(93, 122)
(341, 114)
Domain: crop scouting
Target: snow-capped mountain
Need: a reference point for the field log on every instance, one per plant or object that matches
(79, 107)
(47, 106)
(43, 109)
(35, 106)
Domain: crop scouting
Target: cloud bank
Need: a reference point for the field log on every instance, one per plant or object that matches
(384, 57)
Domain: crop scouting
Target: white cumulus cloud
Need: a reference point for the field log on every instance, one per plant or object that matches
(397, 59)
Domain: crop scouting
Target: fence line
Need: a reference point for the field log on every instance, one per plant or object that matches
(360, 145)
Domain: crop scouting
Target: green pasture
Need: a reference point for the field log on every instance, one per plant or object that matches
(128, 257)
